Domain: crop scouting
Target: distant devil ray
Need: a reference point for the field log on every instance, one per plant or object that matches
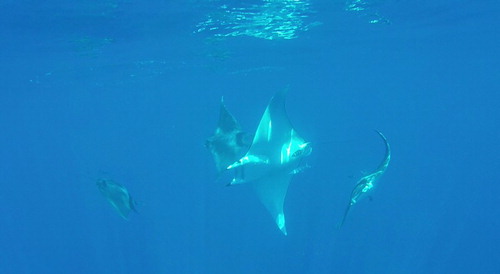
(273, 158)
(229, 142)
(118, 196)
(366, 183)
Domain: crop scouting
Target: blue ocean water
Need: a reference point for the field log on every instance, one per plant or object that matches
(130, 90)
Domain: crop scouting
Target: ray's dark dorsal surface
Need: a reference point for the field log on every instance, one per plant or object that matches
(366, 183)
(118, 196)
(229, 142)
(273, 158)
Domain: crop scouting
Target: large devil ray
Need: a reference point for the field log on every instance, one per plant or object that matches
(366, 184)
(273, 158)
(117, 196)
(229, 142)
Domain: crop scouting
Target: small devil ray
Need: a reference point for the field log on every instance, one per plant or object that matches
(229, 142)
(365, 184)
(273, 158)
(117, 196)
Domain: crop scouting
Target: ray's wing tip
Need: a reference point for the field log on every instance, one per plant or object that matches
(384, 138)
(281, 94)
(283, 230)
(381, 135)
(280, 222)
(284, 91)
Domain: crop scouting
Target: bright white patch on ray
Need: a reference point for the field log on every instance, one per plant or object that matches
(270, 130)
(280, 221)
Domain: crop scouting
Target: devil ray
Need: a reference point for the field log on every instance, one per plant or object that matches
(273, 158)
(229, 142)
(117, 196)
(366, 183)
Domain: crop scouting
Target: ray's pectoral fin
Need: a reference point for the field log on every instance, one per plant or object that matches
(133, 205)
(244, 139)
(272, 192)
(280, 222)
(227, 122)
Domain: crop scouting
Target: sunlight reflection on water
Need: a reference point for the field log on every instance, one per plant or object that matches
(270, 20)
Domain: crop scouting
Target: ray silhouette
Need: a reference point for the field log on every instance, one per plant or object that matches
(117, 196)
(229, 142)
(366, 183)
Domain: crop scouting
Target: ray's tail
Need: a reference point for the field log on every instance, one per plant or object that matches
(345, 215)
